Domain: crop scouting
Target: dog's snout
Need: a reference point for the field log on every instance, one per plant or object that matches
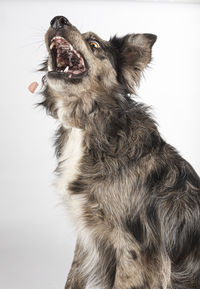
(59, 22)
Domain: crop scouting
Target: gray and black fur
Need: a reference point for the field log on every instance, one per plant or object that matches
(139, 199)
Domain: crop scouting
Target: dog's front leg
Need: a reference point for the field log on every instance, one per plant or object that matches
(76, 278)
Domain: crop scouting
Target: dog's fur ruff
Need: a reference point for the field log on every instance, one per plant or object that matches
(134, 200)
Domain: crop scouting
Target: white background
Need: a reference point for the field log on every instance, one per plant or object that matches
(36, 236)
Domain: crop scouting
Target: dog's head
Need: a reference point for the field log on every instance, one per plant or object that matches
(80, 65)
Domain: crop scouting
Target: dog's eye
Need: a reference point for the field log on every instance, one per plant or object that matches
(94, 44)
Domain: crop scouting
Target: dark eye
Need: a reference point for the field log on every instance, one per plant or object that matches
(94, 44)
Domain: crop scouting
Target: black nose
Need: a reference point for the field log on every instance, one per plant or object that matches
(58, 22)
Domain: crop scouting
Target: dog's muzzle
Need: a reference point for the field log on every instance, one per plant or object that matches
(66, 61)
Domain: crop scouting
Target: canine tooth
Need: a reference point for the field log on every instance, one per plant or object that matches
(66, 69)
(71, 47)
(52, 45)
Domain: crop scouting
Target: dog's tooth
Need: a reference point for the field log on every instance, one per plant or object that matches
(71, 47)
(56, 37)
(66, 69)
(82, 64)
(59, 37)
(52, 45)
(49, 68)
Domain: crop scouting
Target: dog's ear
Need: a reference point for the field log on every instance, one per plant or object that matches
(133, 56)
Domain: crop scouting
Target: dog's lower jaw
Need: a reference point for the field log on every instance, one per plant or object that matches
(54, 84)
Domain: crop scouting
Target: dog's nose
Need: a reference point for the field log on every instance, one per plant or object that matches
(58, 22)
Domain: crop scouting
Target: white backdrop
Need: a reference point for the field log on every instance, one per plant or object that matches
(36, 237)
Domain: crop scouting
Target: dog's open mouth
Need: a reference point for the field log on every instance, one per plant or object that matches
(65, 59)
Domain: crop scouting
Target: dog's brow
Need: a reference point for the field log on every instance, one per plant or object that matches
(93, 36)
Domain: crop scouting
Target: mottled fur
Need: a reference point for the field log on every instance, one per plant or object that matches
(134, 200)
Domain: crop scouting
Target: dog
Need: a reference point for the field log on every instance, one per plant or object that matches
(134, 200)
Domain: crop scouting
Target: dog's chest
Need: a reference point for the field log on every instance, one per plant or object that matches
(69, 161)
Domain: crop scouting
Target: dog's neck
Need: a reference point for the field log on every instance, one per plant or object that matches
(81, 109)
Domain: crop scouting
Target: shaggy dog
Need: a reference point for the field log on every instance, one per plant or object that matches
(134, 200)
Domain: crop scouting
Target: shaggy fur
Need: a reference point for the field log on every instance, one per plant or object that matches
(134, 200)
